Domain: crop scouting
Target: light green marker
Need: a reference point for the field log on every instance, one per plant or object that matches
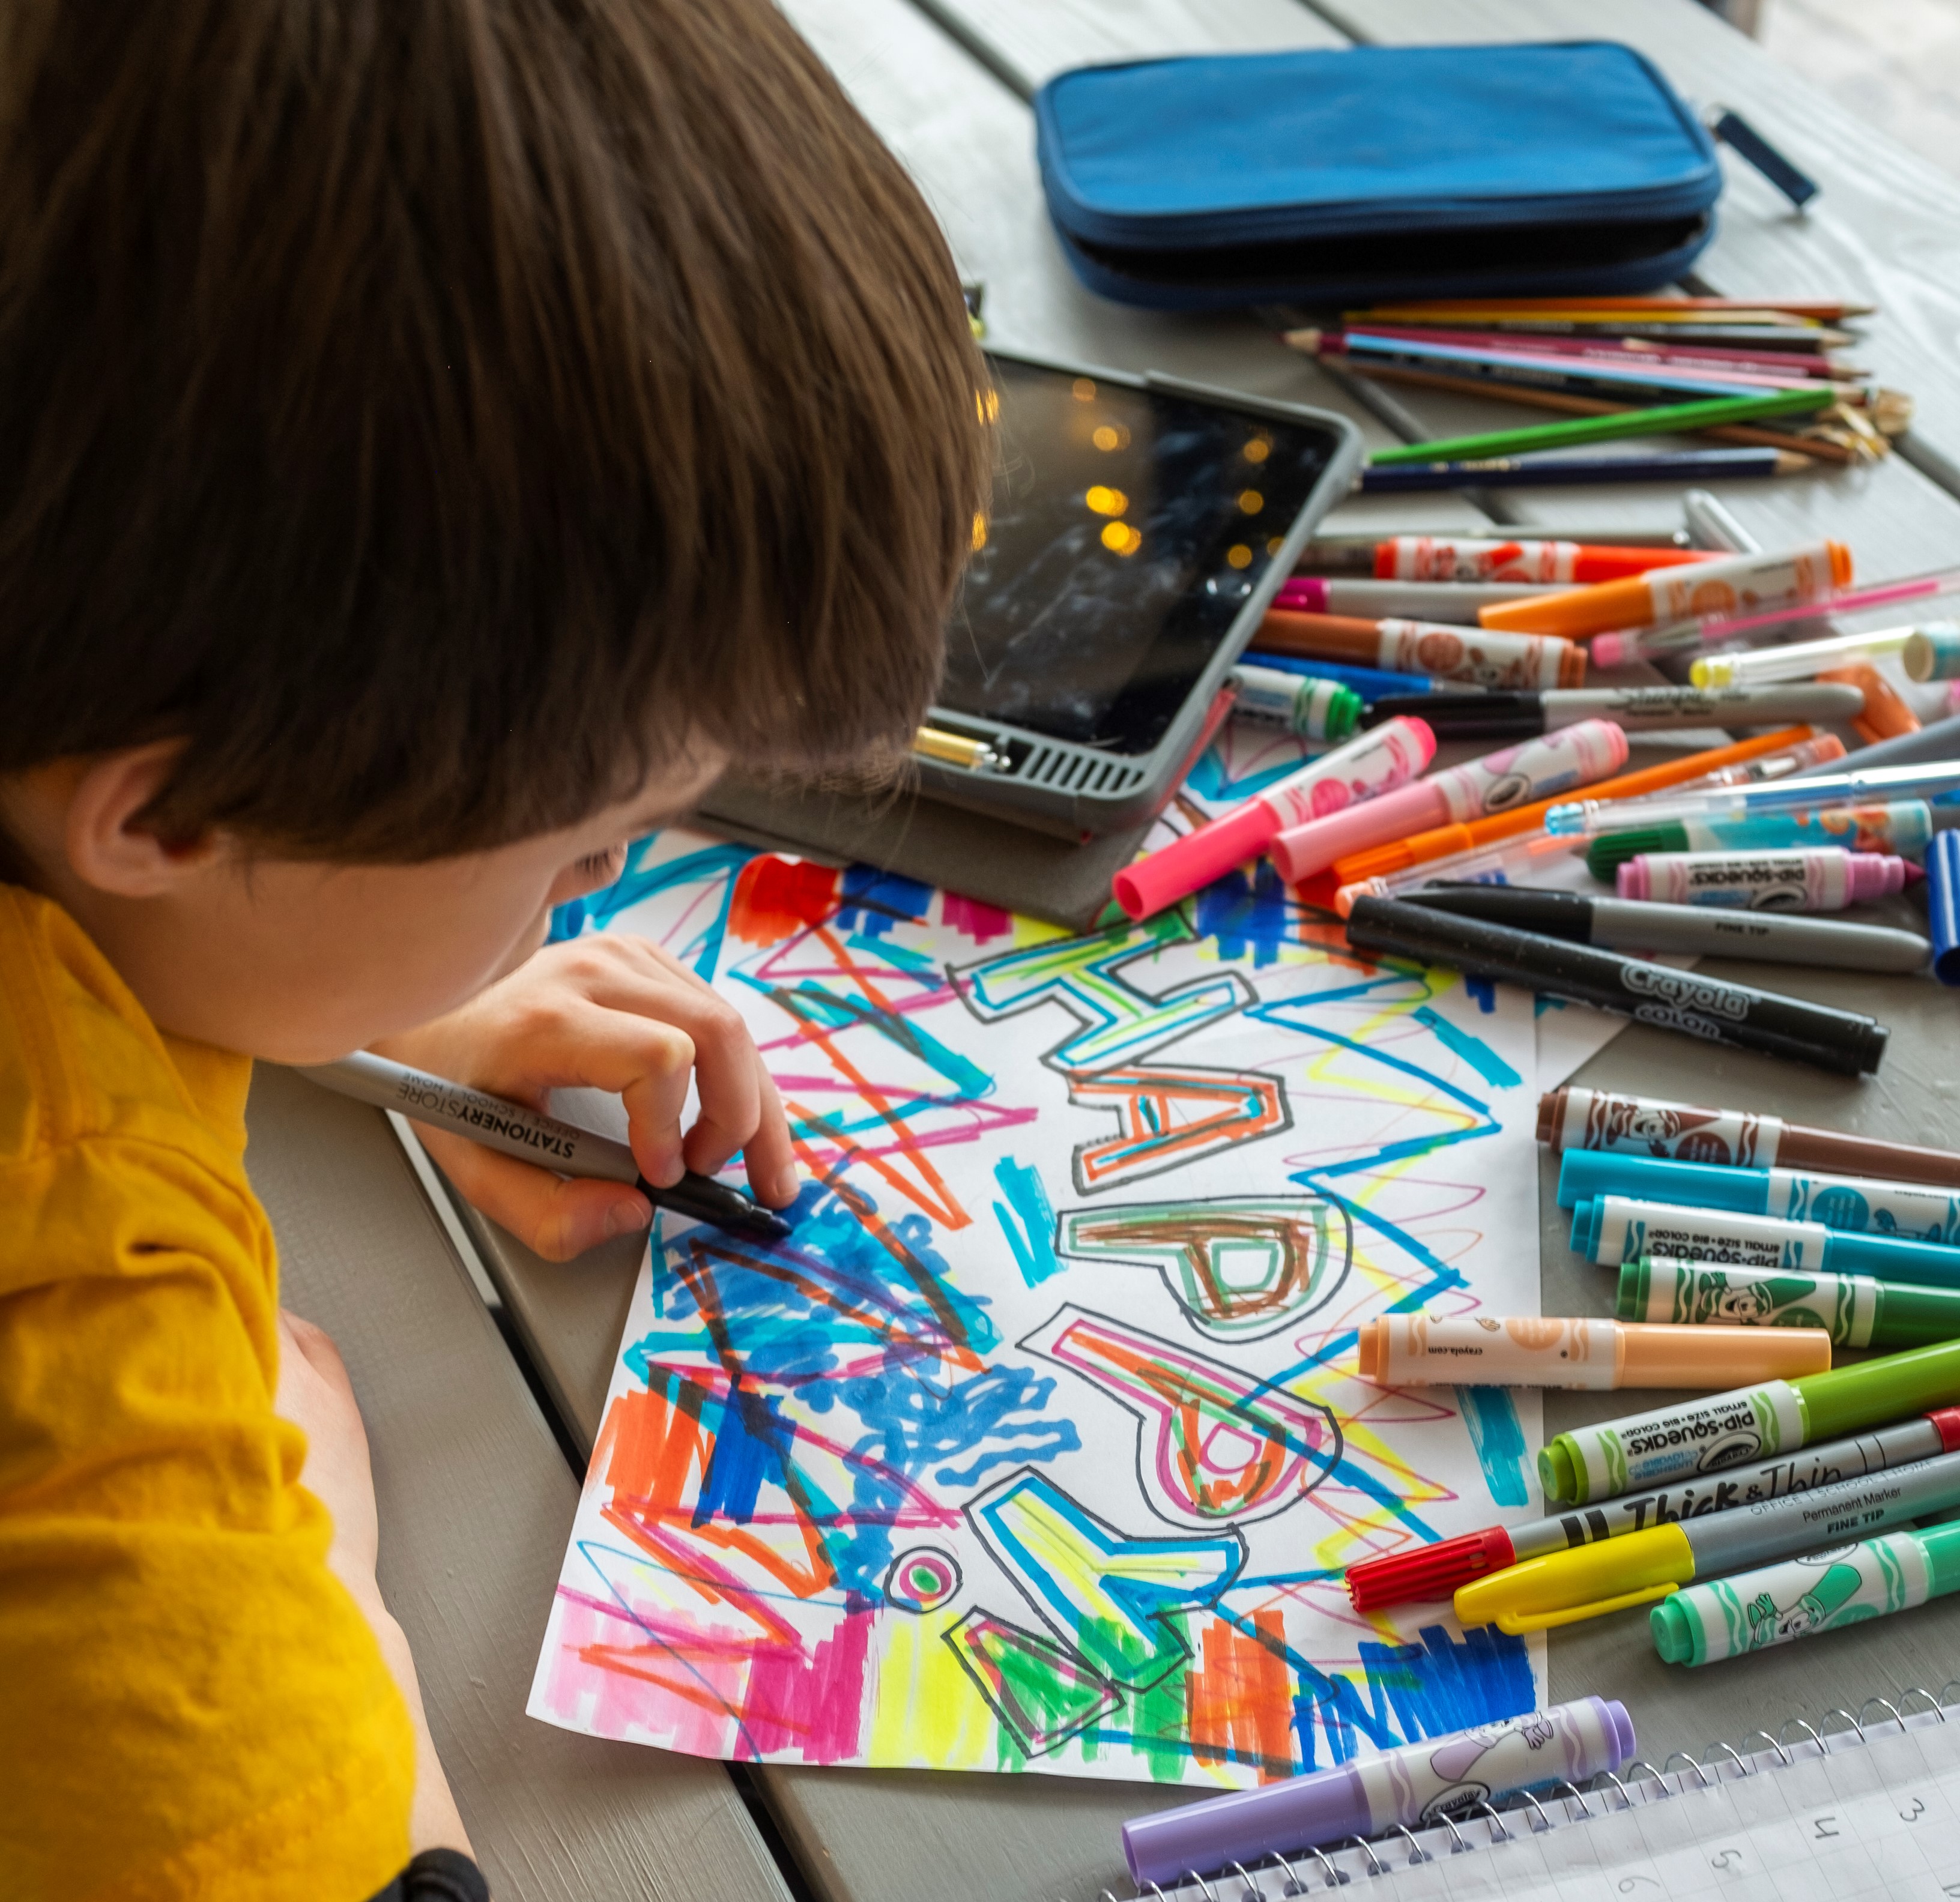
(1856, 1310)
(1745, 1423)
(1798, 1598)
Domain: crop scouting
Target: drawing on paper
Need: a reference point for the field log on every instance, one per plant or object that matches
(1038, 1444)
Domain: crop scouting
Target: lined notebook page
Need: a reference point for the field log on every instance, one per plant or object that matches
(1860, 1822)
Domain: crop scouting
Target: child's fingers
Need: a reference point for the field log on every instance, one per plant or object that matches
(767, 1152)
(555, 1217)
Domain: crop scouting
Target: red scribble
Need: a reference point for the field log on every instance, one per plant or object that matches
(774, 897)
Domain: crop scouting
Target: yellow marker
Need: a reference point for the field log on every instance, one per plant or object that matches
(1563, 1588)
(957, 749)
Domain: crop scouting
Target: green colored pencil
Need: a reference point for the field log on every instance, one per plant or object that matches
(1670, 419)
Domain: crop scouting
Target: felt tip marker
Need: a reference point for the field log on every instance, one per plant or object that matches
(1644, 710)
(1466, 654)
(1734, 584)
(1375, 600)
(1565, 1587)
(1718, 1431)
(1436, 558)
(1433, 1572)
(1475, 1350)
(1823, 1591)
(1610, 1229)
(1852, 1204)
(1904, 828)
(1854, 1310)
(1521, 860)
(1828, 879)
(1402, 1788)
(1371, 683)
(1711, 1009)
(1859, 786)
(1621, 924)
(1536, 770)
(1575, 1118)
(512, 1130)
(1307, 707)
(1371, 763)
(1765, 751)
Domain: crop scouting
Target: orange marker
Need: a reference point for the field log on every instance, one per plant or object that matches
(1442, 840)
(1886, 716)
(1477, 1350)
(1472, 654)
(1737, 584)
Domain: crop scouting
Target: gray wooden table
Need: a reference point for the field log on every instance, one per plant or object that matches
(476, 1502)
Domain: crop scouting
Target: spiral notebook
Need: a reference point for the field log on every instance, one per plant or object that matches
(1862, 1806)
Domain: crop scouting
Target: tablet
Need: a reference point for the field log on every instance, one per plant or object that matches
(1139, 528)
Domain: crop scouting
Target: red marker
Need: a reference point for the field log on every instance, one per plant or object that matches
(1436, 558)
(1436, 1571)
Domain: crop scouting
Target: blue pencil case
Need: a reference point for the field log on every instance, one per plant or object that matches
(1365, 173)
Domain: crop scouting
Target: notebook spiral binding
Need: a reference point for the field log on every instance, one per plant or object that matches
(1309, 1871)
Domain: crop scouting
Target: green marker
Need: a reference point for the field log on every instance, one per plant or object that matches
(1671, 418)
(1721, 1430)
(1821, 1592)
(1905, 826)
(1856, 1310)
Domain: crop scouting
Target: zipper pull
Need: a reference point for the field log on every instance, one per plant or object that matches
(1732, 128)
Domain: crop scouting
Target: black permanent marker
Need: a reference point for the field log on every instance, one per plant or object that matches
(1691, 1002)
(512, 1130)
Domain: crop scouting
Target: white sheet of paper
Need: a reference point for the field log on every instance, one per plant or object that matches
(1040, 1445)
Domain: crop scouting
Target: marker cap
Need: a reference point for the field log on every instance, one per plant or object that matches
(1193, 861)
(1585, 1174)
(1561, 1587)
(1847, 1400)
(1933, 652)
(1942, 905)
(1428, 1572)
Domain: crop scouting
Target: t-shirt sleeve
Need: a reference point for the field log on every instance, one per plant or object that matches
(194, 1704)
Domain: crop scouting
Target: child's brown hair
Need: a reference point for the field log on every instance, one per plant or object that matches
(439, 413)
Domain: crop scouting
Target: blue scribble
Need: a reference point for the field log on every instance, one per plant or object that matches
(640, 881)
(1030, 1228)
(1473, 1050)
(1482, 992)
(1001, 1417)
(1444, 1685)
(1247, 914)
(873, 901)
(1209, 778)
(752, 1442)
(1498, 1435)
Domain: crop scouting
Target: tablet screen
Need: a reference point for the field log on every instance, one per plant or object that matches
(1128, 526)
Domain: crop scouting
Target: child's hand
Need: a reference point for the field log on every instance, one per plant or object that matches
(616, 1013)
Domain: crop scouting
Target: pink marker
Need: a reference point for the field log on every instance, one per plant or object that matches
(1537, 769)
(1828, 879)
(1388, 756)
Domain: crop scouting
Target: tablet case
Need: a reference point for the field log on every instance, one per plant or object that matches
(1362, 173)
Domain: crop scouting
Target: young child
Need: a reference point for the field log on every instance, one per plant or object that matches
(440, 435)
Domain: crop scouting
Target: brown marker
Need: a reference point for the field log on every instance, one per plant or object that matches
(1575, 1118)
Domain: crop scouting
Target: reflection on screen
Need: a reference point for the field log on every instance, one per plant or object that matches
(1127, 527)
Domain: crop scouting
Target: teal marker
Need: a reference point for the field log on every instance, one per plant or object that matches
(1610, 1229)
(1854, 1204)
(1905, 826)
(1801, 1598)
(1717, 1431)
(1855, 1310)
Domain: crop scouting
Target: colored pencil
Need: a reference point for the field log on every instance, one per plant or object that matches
(1561, 472)
(1826, 310)
(1800, 339)
(1669, 420)
(1823, 447)
(1604, 349)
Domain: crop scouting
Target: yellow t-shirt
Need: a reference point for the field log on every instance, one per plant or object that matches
(191, 1704)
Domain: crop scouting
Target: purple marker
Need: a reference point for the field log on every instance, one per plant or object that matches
(1415, 1784)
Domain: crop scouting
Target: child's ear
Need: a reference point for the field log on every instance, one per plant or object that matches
(104, 838)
